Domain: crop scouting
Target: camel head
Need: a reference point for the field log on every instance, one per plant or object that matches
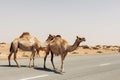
(50, 37)
(80, 39)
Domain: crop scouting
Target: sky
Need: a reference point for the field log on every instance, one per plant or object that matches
(96, 20)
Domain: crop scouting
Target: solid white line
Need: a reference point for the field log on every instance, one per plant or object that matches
(105, 64)
(45, 75)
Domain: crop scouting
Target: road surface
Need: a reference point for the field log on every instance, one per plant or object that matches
(84, 67)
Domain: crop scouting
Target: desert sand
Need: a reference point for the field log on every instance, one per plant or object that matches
(81, 50)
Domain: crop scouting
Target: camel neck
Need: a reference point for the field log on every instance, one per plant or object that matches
(73, 47)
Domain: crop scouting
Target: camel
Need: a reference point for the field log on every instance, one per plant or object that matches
(59, 46)
(50, 37)
(25, 42)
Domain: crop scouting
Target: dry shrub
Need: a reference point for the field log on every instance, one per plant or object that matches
(85, 47)
(85, 53)
(74, 53)
(108, 46)
(24, 55)
(3, 43)
(96, 48)
(99, 52)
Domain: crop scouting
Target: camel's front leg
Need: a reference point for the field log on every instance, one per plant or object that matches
(52, 61)
(45, 61)
(33, 59)
(47, 53)
(62, 63)
(62, 66)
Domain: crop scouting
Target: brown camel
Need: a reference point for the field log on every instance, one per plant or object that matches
(25, 42)
(59, 46)
(50, 37)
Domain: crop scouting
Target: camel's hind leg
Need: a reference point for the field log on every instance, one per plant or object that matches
(15, 54)
(9, 57)
(32, 58)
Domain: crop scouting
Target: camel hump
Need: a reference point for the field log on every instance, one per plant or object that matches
(58, 36)
(25, 34)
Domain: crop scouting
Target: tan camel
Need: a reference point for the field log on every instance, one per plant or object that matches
(25, 42)
(59, 46)
(50, 37)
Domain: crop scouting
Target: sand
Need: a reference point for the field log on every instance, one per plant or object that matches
(82, 50)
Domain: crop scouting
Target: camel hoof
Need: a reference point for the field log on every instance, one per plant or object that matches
(62, 71)
(55, 69)
(19, 66)
(31, 66)
(45, 67)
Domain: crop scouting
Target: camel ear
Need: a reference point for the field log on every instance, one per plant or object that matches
(49, 34)
(77, 37)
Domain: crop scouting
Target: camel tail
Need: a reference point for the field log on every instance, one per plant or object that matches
(11, 47)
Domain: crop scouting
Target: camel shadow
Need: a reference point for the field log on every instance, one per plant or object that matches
(47, 69)
(12, 66)
(36, 68)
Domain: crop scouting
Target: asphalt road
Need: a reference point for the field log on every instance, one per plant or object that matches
(87, 67)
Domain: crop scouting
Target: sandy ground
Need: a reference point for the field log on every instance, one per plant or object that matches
(82, 50)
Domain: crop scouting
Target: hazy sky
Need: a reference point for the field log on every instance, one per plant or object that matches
(96, 20)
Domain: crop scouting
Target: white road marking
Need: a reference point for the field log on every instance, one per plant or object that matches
(105, 64)
(45, 75)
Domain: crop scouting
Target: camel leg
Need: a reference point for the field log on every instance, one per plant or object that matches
(38, 55)
(47, 53)
(15, 59)
(33, 59)
(30, 60)
(62, 63)
(64, 55)
(9, 57)
(52, 61)
(45, 61)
